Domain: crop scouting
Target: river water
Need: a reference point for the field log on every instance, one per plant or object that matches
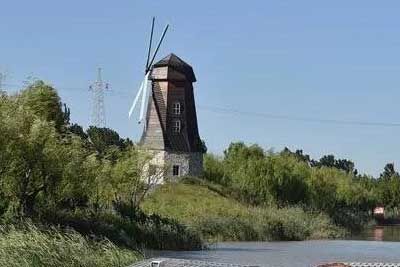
(380, 244)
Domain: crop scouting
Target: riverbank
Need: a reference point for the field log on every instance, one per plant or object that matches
(220, 218)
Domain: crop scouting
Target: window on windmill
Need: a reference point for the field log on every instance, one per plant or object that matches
(176, 108)
(175, 170)
(176, 127)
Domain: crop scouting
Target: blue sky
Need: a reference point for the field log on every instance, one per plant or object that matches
(335, 60)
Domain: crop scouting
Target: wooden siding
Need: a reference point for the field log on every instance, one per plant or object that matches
(170, 86)
(154, 133)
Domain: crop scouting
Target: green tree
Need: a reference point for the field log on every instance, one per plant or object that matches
(78, 130)
(214, 169)
(389, 171)
(299, 154)
(105, 138)
(35, 162)
(45, 103)
(331, 162)
(243, 165)
(288, 180)
(77, 178)
(34, 154)
(388, 187)
(4, 153)
(128, 180)
(264, 177)
(323, 186)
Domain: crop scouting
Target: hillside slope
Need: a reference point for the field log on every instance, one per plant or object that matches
(221, 218)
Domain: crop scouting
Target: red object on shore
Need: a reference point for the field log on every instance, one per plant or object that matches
(379, 212)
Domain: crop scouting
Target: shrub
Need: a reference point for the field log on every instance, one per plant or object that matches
(227, 228)
(296, 224)
(214, 169)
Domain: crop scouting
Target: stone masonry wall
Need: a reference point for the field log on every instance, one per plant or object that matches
(190, 164)
(196, 164)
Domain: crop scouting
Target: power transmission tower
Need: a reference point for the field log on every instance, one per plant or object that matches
(2, 79)
(98, 88)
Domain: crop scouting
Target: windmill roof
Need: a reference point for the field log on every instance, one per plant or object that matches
(178, 64)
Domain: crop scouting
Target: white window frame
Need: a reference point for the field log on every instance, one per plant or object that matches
(176, 108)
(176, 126)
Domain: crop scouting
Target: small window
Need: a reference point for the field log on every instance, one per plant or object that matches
(176, 108)
(175, 170)
(176, 127)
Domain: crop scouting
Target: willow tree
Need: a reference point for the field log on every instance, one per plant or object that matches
(34, 159)
(126, 182)
(32, 150)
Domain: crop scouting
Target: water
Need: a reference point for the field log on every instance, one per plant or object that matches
(380, 233)
(380, 244)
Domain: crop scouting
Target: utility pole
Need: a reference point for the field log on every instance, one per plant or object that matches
(98, 117)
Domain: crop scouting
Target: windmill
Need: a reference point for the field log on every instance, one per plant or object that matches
(170, 129)
(143, 89)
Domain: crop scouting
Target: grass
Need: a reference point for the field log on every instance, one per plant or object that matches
(31, 247)
(217, 217)
(189, 203)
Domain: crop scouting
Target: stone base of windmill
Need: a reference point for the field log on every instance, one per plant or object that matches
(177, 164)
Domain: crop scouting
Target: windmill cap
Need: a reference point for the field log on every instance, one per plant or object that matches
(177, 64)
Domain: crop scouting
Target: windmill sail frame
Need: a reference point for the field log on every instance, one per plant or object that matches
(143, 89)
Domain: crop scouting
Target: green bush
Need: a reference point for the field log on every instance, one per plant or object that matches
(214, 169)
(296, 224)
(31, 247)
(227, 228)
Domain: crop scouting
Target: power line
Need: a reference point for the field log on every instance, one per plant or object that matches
(232, 111)
(295, 118)
(67, 88)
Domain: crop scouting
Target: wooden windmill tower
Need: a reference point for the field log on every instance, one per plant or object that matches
(170, 125)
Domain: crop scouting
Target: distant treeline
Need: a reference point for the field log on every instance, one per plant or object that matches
(288, 178)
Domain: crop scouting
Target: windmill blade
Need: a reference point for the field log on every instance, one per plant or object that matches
(151, 41)
(158, 47)
(136, 99)
(144, 96)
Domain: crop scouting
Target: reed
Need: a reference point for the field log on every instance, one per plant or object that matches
(29, 246)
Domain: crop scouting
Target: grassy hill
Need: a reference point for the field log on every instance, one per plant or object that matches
(188, 203)
(218, 217)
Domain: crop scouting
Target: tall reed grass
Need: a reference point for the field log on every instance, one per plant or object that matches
(29, 246)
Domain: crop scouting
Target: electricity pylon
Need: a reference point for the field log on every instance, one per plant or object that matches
(98, 117)
(2, 79)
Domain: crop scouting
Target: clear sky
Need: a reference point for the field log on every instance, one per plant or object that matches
(335, 60)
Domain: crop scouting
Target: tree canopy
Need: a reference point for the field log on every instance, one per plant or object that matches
(48, 163)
